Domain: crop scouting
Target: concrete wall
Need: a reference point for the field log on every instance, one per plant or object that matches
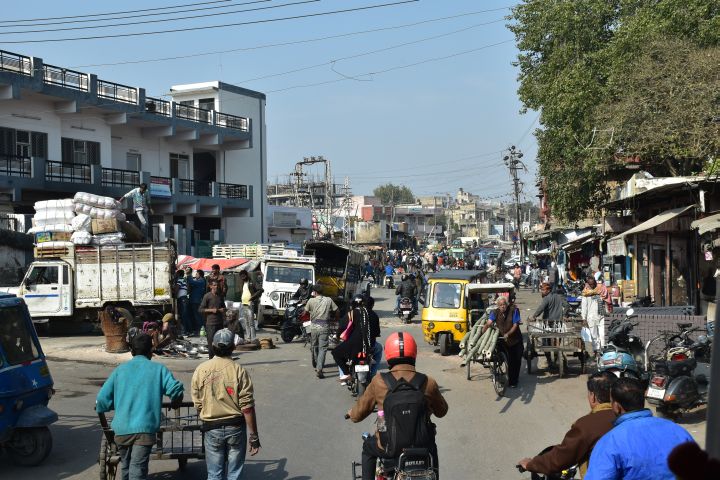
(15, 256)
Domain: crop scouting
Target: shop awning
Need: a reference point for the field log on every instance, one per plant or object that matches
(578, 241)
(707, 224)
(655, 221)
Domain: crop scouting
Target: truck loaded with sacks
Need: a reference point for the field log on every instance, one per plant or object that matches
(85, 262)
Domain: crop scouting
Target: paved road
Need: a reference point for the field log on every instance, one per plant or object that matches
(301, 421)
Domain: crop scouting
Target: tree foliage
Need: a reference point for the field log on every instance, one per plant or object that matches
(394, 194)
(611, 79)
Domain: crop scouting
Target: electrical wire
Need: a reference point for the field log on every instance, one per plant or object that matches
(391, 69)
(65, 22)
(434, 164)
(161, 20)
(371, 52)
(225, 25)
(286, 44)
(170, 7)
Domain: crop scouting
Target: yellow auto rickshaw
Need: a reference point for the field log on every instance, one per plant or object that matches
(450, 307)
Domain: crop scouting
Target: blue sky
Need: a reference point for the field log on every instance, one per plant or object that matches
(434, 127)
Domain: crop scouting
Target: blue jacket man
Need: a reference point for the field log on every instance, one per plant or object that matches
(135, 391)
(638, 446)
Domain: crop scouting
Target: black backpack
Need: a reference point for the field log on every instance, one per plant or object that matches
(406, 417)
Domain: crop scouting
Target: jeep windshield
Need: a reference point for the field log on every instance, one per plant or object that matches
(276, 273)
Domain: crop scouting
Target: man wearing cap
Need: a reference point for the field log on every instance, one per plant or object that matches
(135, 391)
(320, 309)
(222, 392)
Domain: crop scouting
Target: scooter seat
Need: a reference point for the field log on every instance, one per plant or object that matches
(684, 325)
(675, 368)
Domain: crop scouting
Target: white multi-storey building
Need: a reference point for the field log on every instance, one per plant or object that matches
(202, 150)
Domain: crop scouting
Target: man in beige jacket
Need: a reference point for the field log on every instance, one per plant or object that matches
(223, 395)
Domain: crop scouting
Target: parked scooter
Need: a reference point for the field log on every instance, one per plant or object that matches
(624, 353)
(26, 387)
(406, 311)
(296, 318)
(674, 387)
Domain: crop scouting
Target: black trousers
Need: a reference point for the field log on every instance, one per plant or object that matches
(371, 452)
(515, 356)
(210, 331)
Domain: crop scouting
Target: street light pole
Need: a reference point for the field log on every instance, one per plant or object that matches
(513, 162)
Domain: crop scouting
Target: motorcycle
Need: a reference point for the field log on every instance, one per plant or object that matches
(389, 282)
(624, 353)
(567, 474)
(413, 463)
(359, 375)
(406, 311)
(643, 302)
(297, 322)
(673, 386)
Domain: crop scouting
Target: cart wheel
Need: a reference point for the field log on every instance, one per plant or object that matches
(500, 373)
(467, 367)
(583, 362)
(108, 470)
(529, 360)
(444, 341)
(562, 364)
(182, 463)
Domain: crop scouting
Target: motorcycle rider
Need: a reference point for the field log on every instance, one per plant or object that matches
(389, 270)
(407, 288)
(400, 353)
(579, 441)
(358, 340)
(304, 292)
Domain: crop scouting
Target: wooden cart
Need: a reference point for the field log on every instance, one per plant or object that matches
(560, 339)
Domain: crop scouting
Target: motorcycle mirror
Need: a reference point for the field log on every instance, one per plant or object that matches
(630, 312)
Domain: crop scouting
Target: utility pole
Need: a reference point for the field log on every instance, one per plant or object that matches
(513, 162)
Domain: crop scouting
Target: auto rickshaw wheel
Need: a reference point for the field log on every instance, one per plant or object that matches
(444, 341)
(108, 466)
(28, 447)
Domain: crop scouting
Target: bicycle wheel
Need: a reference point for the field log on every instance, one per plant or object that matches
(500, 373)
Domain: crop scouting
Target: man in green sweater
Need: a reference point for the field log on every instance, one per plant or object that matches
(135, 391)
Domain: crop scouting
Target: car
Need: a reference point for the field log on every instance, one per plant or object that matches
(512, 261)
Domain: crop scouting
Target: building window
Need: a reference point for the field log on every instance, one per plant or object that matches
(23, 143)
(133, 161)
(206, 103)
(179, 166)
(80, 151)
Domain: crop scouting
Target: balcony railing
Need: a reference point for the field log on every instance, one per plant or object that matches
(117, 92)
(192, 187)
(14, 166)
(12, 62)
(188, 112)
(231, 190)
(116, 177)
(232, 121)
(65, 78)
(67, 172)
(158, 106)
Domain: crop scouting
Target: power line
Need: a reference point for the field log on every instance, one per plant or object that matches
(160, 20)
(169, 7)
(391, 69)
(145, 14)
(188, 29)
(434, 164)
(289, 43)
(371, 52)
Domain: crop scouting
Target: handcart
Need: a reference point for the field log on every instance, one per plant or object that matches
(179, 438)
(488, 349)
(559, 339)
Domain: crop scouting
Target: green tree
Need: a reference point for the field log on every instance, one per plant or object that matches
(394, 194)
(575, 61)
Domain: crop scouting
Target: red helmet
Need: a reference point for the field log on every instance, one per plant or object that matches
(400, 345)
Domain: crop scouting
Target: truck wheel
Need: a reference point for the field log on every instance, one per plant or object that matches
(260, 318)
(30, 446)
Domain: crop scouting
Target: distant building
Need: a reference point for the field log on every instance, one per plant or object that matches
(464, 197)
(288, 224)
